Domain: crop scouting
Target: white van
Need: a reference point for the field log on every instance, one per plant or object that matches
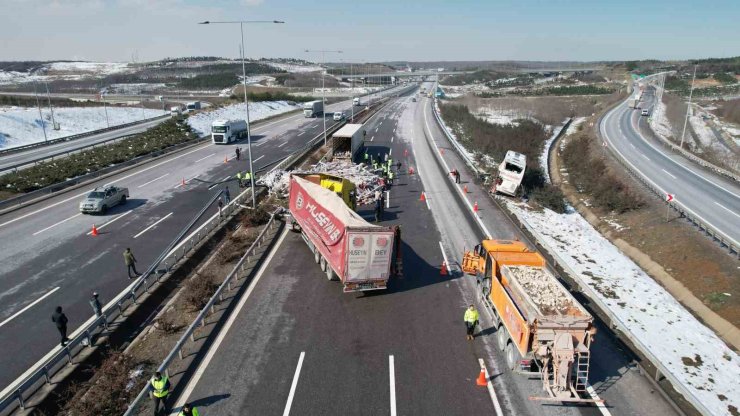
(338, 116)
(645, 112)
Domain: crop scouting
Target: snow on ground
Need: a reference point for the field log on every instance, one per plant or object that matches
(470, 155)
(658, 121)
(202, 121)
(134, 88)
(295, 67)
(503, 117)
(98, 68)
(21, 126)
(572, 128)
(691, 352)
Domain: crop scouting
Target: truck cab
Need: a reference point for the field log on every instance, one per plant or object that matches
(510, 173)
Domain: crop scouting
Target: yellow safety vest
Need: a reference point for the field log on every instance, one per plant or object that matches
(193, 411)
(471, 316)
(247, 176)
(159, 387)
(238, 175)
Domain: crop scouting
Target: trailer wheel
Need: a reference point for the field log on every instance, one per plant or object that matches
(323, 264)
(512, 356)
(502, 337)
(316, 255)
(330, 274)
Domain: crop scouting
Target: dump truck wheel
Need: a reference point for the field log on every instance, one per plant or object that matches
(502, 337)
(316, 255)
(512, 356)
(323, 265)
(330, 274)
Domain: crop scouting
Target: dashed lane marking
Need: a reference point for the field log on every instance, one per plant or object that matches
(204, 158)
(392, 374)
(55, 224)
(729, 210)
(111, 221)
(666, 172)
(491, 391)
(599, 403)
(153, 225)
(152, 181)
(29, 306)
(258, 158)
(294, 384)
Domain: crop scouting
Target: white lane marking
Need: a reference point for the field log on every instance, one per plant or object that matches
(266, 132)
(204, 158)
(444, 256)
(258, 158)
(111, 221)
(390, 152)
(187, 181)
(55, 224)
(153, 180)
(731, 211)
(294, 384)
(283, 144)
(666, 172)
(633, 146)
(151, 226)
(643, 155)
(491, 391)
(88, 191)
(376, 129)
(222, 334)
(372, 138)
(391, 139)
(260, 143)
(380, 124)
(29, 306)
(426, 199)
(447, 169)
(600, 403)
(302, 133)
(392, 373)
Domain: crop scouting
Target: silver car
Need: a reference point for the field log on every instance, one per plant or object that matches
(102, 198)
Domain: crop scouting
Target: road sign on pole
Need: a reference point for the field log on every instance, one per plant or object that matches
(668, 197)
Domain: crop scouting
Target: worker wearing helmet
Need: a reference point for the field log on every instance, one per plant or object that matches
(188, 410)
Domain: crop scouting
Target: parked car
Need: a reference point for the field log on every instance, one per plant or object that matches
(338, 116)
(645, 112)
(102, 198)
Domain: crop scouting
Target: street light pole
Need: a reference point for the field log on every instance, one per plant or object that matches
(323, 87)
(246, 101)
(688, 108)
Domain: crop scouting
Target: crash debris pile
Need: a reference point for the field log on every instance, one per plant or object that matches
(366, 180)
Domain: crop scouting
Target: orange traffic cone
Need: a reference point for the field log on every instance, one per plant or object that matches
(405, 152)
(465, 189)
(422, 197)
(481, 381)
(183, 182)
(94, 231)
(411, 171)
(475, 207)
(442, 151)
(443, 270)
(226, 159)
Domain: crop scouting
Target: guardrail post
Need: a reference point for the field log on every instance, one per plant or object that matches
(89, 338)
(69, 354)
(20, 399)
(657, 374)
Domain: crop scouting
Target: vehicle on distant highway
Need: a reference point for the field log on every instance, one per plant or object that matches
(227, 131)
(101, 198)
(313, 109)
(413, 99)
(645, 112)
(194, 105)
(175, 111)
(356, 101)
(338, 116)
(510, 173)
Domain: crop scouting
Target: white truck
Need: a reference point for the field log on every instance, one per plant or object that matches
(193, 105)
(356, 101)
(347, 142)
(510, 173)
(313, 109)
(227, 131)
(175, 111)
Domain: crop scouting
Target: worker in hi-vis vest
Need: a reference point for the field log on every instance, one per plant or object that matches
(159, 390)
(471, 320)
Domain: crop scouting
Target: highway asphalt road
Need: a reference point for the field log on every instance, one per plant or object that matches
(34, 153)
(712, 197)
(47, 258)
(298, 343)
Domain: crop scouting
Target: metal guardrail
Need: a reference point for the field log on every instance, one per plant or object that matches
(615, 323)
(455, 144)
(732, 245)
(77, 136)
(238, 272)
(42, 371)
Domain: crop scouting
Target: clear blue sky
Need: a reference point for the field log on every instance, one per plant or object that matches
(377, 30)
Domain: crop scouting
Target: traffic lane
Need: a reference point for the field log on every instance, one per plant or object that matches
(45, 151)
(714, 204)
(612, 374)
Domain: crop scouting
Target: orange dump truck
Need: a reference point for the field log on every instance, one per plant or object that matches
(541, 327)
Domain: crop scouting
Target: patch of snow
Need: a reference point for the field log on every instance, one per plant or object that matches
(658, 121)
(295, 67)
(202, 121)
(468, 154)
(572, 128)
(98, 68)
(134, 88)
(691, 352)
(21, 126)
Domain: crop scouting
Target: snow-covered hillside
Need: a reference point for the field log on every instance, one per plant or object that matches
(202, 121)
(21, 126)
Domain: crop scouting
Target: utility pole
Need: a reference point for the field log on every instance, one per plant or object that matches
(48, 97)
(688, 108)
(323, 88)
(352, 88)
(41, 117)
(105, 108)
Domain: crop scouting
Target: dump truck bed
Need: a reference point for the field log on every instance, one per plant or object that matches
(541, 295)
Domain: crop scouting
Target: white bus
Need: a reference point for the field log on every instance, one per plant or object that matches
(227, 131)
(510, 173)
